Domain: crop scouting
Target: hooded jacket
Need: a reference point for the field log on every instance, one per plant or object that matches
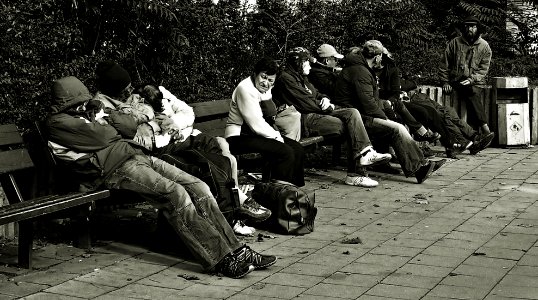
(323, 78)
(294, 89)
(100, 146)
(356, 86)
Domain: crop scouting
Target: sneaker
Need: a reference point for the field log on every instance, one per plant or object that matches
(437, 164)
(363, 181)
(481, 143)
(241, 229)
(259, 261)
(371, 157)
(232, 267)
(254, 211)
(385, 168)
(424, 172)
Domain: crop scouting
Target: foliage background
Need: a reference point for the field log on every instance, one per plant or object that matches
(200, 50)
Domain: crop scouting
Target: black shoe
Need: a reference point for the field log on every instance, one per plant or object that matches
(452, 153)
(437, 164)
(424, 172)
(385, 168)
(430, 137)
(259, 261)
(481, 143)
(253, 211)
(232, 267)
(427, 152)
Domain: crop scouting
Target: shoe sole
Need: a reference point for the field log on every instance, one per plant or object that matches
(483, 144)
(250, 269)
(379, 162)
(266, 265)
(253, 218)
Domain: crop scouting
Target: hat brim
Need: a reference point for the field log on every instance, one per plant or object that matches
(338, 55)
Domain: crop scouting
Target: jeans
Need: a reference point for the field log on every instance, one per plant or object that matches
(187, 204)
(341, 121)
(285, 161)
(409, 154)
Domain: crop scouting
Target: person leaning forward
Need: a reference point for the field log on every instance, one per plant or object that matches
(81, 126)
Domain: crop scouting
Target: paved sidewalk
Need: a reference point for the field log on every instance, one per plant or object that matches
(468, 232)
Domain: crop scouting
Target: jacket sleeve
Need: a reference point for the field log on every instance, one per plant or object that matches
(367, 102)
(444, 65)
(290, 92)
(482, 66)
(125, 124)
(394, 85)
(251, 111)
(80, 134)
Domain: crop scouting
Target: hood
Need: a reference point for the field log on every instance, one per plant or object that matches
(68, 92)
(354, 59)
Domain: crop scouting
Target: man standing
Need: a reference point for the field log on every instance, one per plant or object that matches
(464, 68)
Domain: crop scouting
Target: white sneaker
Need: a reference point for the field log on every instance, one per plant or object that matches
(363, 181)
(371, 157)
(241, 229)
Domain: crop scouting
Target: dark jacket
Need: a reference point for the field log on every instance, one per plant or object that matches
(389, 82)
(294, 89)
(97, 149)
(323, 79)
(356, 86)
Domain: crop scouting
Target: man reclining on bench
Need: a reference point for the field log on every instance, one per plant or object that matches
(106, 159)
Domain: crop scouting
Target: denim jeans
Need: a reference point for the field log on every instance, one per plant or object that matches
(409, 154)
(344, 122)
(187, 203)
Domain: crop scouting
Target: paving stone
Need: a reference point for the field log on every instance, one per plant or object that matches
(395, 250)
(203, 291)
(421, 235)
(79, 289)
(409, 242)
(309, 269)
(494, 273)
(458, 292)
(273, 290)
(249, 297)
(490, 262)
(515, 291)
(338, 259)
(342, 278)
(47, 277)
(519, 280)
(134, 266)
(159, 259)
(108, 278)
(298, 280)
(369, 269)
(395, 291)
(424, 270)
(435, 260)
(336, 291)
(529, 260)
(410, 280)
(512, 241)
(20, 289)
(140, 291)
(510, 254)
(49, 296)
(470, 281)
(385, 260)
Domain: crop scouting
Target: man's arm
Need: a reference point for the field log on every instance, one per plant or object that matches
(444, 67)
(366, 100)
(482, 69)
(289, 91)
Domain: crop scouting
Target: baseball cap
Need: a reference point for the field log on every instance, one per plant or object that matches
(327, 50)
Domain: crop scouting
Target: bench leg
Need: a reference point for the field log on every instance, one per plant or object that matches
(83, 239)
(26, 239)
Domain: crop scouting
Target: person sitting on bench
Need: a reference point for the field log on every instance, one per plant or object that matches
(101, 150)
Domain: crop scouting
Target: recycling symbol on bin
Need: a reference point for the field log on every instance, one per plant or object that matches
(516, 126)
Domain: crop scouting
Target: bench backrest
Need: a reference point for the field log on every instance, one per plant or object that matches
(211, 116)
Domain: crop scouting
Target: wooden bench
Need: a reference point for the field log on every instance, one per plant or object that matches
(211, 119)
(15, 159)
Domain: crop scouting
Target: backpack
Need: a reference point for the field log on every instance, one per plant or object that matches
(213, 169)
(292, 209)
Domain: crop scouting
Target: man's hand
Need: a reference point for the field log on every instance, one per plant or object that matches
(447, 88)
(325, 103)
(465, 82)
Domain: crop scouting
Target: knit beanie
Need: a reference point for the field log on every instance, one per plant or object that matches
(112, 79)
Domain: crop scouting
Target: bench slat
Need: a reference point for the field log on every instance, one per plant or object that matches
(45, 205)
(210, 110)
(13, 160)
(9, 135)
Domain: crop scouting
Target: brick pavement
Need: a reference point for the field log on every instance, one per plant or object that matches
(468, 232)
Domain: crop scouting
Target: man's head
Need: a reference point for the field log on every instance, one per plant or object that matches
(113, 80)
(372, 51)
(328, 55)
(299, 60)
(471, 28)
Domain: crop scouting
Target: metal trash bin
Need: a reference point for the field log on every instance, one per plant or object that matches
(512, 100)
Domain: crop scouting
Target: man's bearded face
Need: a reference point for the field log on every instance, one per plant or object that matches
(470, 32)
